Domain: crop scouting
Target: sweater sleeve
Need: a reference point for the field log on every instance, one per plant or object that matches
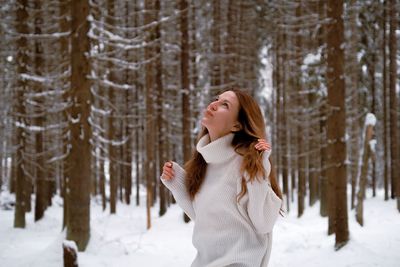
(263, 204)
(177, 186)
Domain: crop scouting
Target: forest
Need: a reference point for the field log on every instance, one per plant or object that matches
(96, 95)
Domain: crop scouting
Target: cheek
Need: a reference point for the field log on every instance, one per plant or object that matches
(229, 120)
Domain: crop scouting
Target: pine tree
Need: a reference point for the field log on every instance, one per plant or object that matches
(78, 186)
(336, 121)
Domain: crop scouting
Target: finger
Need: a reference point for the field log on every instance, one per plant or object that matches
(166, 176)
(169, 172)
(168, 165)
(262, 147)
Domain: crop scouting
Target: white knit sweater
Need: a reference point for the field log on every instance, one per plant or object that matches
(227, 232)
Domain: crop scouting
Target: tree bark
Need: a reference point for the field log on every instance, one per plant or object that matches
(64, 25)
(336, 171)
(42, 189)
(149, 130)
(70, 254)
(160, 112)
(216, 79)
(78, 192)
(384, 100)
(301, 189)
(324, 189)
(185, 83)
(363, 175)
(283, 141)
(113, 129)
(394, 149)
(22, 61)
(354, 123)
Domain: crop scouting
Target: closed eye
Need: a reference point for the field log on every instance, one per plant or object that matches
(225, 104)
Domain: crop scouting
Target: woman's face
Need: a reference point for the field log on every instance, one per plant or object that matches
(220, 117)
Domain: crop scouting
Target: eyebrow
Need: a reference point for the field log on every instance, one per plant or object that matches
(224, 100)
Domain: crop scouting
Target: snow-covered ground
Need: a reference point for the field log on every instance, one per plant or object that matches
(122, 239)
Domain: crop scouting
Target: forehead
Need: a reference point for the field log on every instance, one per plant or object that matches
(230, 96)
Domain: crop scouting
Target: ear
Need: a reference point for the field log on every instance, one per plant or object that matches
(237, 127)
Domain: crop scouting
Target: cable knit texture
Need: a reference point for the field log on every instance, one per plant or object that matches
(227, 232)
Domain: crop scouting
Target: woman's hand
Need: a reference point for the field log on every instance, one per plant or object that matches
(262, 145)
(168, 172)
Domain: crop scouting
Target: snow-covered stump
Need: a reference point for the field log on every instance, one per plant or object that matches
(369, 151)
(70, 253)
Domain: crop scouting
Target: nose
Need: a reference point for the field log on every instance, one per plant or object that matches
(213, 106)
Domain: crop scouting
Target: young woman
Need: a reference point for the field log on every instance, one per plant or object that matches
(227, 188)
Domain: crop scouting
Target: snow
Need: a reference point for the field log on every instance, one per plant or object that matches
(122, 239)
(372, 145)
(70, 244)
(32, 77)
(370, 119)
(312, 59)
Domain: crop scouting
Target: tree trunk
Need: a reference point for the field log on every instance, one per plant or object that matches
(70, 254)
(185, 83)
(102, 184)
(113, 129)
(371, 71)
(160, 113)
(78, 223)
(137, 152)
(22, 60)
(394, 149)
(42, 189)
(336, 171)
(352, 93)
(128, 169)
(301, 189)
(283, 136)
(149, 130)
(215, 63)
(313, 172)
(384, 100)
(363, 175)
(137, 121)
(64, 25)
(278, 117)
(324, 189)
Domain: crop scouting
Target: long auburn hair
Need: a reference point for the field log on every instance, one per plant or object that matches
(253, 128)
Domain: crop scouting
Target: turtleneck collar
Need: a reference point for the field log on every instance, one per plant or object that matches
(218, 151)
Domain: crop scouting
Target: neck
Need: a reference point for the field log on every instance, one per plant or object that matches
(218, 151)
(214, 136)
